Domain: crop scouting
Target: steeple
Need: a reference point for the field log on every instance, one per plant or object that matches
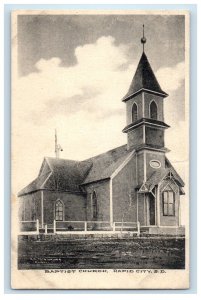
(144, 108)
(144, 78)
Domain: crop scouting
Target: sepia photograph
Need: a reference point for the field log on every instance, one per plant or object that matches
(100, 149)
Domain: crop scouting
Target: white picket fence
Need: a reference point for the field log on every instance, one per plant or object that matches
(80, 227)
(95, 227)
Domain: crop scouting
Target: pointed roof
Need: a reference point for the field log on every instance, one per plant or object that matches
(158, 175)
(144, 79)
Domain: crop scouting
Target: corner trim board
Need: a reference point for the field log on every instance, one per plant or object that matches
(42, 210)
(111, 203)
(137, 208)
(158, 205)
(145, 167)
(143, 104)
(144, 134)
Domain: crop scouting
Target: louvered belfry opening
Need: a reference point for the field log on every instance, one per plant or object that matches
(153, 111)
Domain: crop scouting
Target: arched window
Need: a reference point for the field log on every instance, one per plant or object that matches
(94, 205)
(59, 210)
(168, 202)
(134, 113)
(153, 110)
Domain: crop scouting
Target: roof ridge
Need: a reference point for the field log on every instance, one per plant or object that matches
(54, 158)
(107, 152)
(87, 159)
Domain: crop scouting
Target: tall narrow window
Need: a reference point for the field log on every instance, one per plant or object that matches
(59, 211)
(168, 203)
(134, 113)
(94, 205)
(153, 111)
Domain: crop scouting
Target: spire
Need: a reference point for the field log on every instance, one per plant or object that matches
(143, 39)
(144, 78)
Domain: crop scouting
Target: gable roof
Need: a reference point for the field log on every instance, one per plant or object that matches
(65, 175)
(176, 175)
(158, 175)
(144, 78)
(69, 175)
(104, 165)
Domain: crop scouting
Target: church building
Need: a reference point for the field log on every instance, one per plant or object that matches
(131, 183)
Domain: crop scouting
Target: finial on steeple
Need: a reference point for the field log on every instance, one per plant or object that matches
(143, 39)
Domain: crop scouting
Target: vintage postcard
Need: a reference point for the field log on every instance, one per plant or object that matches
(100, 149)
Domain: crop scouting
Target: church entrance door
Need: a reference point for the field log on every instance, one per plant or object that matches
(151, 211)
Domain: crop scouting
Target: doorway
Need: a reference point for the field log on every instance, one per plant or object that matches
(151, 212)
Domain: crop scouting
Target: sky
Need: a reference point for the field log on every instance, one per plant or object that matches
(73, 71)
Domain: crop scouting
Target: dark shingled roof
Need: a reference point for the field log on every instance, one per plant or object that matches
(144, 78)
(69, 175)
(105, 164)
(65, 175)
(35, 185)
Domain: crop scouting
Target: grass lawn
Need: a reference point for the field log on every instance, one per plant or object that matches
(137, 253)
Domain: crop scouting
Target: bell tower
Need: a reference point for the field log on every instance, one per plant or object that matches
(144, 114)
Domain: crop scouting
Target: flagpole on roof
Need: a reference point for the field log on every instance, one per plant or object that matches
(58, 147)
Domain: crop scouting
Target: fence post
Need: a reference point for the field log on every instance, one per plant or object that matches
(37, 226)
(54, 227)
(45, 228)
(85, 226)
(138, 228)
